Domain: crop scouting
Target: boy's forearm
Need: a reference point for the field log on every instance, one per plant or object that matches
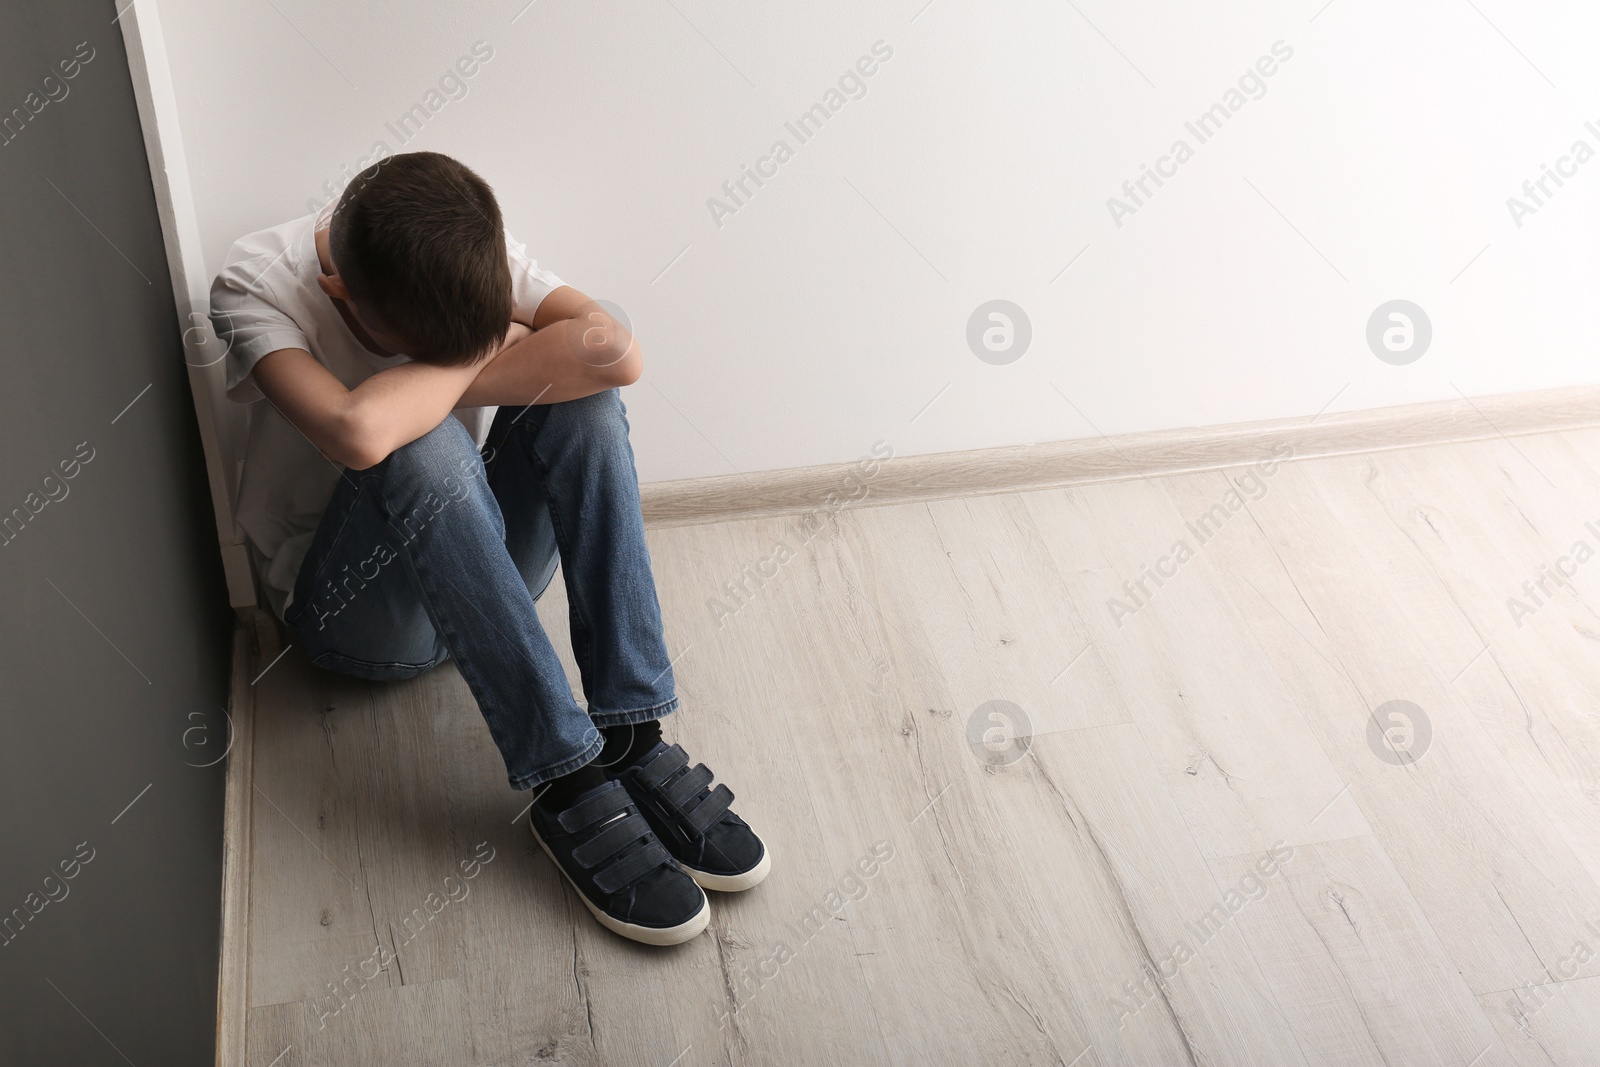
(396, 406)
(359, 427)
(567, 360)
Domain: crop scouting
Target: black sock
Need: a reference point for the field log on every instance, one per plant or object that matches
(625, 744)
(559, 793)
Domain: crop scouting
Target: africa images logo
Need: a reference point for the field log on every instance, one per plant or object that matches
(999, 733)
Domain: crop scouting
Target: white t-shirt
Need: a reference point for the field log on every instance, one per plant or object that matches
(265, 298)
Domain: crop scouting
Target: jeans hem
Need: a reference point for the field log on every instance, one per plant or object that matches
(628, 718)
(539, 777)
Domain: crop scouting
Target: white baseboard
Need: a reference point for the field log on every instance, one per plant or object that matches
(1101, 459)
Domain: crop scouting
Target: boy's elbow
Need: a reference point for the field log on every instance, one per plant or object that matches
(630, 367)
(357, 443)
(361, 457)
(357, 456)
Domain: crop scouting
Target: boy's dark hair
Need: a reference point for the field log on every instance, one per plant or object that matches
(419, 243)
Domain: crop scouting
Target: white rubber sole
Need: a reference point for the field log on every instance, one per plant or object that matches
(733, 883)
(649, 935)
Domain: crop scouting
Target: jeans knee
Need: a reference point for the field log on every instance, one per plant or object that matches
(440, 469)
(444, 460)
(595, 420)
(442, 450)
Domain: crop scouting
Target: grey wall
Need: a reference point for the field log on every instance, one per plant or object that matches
(114, 638)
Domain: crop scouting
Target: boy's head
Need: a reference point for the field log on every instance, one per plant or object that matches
(419, 246)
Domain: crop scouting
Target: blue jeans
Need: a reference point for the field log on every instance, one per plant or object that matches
(438, 552)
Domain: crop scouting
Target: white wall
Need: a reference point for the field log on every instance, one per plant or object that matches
(806, 327)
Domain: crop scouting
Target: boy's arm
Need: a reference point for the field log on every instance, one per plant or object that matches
(359, 427)
(576, 350)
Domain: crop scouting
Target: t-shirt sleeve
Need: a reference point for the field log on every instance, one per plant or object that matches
(530, 284)
(249, 323)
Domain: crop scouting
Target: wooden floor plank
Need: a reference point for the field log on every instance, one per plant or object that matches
(1495, 877)
(1547, 1021)
(1352, 959)
(1239, 759)
(1014, 832)
(309, 888)
(1536, 679)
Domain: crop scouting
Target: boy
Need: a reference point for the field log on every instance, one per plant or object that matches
(393, 335)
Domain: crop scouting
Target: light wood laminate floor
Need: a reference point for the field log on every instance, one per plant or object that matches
(1200, 848)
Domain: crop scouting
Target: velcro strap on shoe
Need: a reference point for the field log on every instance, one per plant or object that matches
(631, 867)
(664, 766)
(685, 789)
(709, 810)
(610, 840)
(603, 805)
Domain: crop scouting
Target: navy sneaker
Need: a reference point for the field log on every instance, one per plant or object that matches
(693, 820)
(622, 873)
